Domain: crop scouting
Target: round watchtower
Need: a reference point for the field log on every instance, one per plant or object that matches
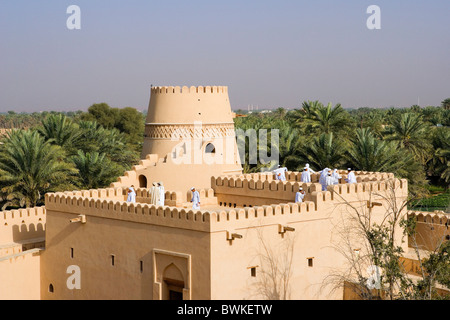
(193, 126)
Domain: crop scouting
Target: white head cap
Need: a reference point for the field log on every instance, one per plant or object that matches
(192, 189)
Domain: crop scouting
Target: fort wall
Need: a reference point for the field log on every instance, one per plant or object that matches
(22, 225)
(262, 199)
(432, 230)
(20, 275)
(22, 238)
(245, 190)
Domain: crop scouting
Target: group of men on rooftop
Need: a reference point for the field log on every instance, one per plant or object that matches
(327, 178)
(157, 194)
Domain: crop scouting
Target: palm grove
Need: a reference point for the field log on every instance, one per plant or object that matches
(73, 151)
(413, 143)
(84, 150)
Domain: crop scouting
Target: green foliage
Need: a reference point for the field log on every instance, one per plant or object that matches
(440, 201)
(413, 143)
(95, 170)
(446, 104)
(103, 114)
(61, 131)
(111, 142)
(438, 265)
(63, 153)
(410, 133)
(324, 151)
(128, 121)
(317, 118)
(368, 153)
(30, 167)
(441, 159)
(131, 123)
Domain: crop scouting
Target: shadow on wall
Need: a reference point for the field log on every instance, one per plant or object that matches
(27, 232)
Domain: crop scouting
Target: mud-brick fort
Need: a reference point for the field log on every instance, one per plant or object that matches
(121, 250)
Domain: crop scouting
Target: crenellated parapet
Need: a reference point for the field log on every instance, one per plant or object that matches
(359, 191)
(143, 195)
(235, 195)
(125, 211)
(199, 220)
(244, 191)
(437, 217)
(190, 90)
(361, 176)
(258, 189)
(432, 230)
(22, 224)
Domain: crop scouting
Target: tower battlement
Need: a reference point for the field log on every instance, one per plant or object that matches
(189, 90)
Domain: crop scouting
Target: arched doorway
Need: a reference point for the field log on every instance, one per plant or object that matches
(142, 181)
(173, 283)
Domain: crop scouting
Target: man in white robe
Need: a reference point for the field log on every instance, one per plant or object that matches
(306, 176)
(131, 195)
(277, 174)
(336, 176)
(280, 173)
(154, 194)
(283, 173)
(309, 169)
(162, 194)
(329, 180)
(195, 199)
(323, 177)
(300, 195)
(351, 178)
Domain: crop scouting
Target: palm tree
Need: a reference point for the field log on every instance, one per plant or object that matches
(441, 161)
(290, 143)
(374, 121)
(31, 167)
(60, 130)
(279, 113)
(317, 118)
(368, 153)
(323, 152)
(446, 104)
(433, 115)
(410, 133)
(111, 142)
(95, 170)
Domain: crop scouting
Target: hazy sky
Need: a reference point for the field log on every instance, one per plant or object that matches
(269, 53)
